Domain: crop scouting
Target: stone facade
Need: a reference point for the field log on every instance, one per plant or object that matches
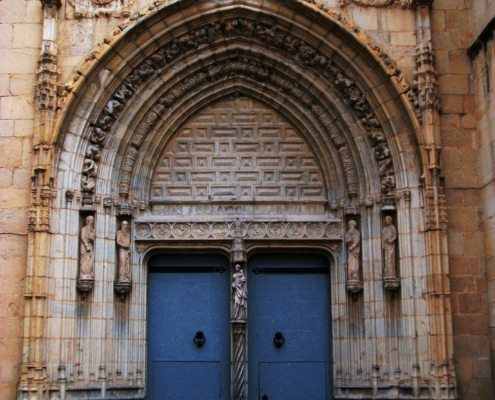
(234, 126)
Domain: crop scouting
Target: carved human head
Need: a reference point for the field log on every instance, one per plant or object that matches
(352, 224)
(388, 220)
(237, 267)
(89, 220)
(125, 225)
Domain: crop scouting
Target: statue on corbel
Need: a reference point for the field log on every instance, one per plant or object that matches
(389, 240)
(87, 238)
(239, 284)
(123, 285)
(353, 242)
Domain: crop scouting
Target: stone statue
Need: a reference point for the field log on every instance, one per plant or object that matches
(353, 241)
(87, 237)
(239, 292)
(389, 237)
(124, 246)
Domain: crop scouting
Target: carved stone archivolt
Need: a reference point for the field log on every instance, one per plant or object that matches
(292, 47)
(227, 230)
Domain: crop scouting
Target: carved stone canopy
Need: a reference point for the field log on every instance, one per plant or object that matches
(56, 3)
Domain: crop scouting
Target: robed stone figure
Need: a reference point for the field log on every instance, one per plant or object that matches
(124, 247)
(87, 259)
(239, 293)
(353, 241)
(389, 237)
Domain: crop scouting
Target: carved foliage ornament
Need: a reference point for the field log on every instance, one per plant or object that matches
(378, 3)
(98, 8)
(269, 35)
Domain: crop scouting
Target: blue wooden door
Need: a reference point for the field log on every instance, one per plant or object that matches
(289, 294)
(188, 294)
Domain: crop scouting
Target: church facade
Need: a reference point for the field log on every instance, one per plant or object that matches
(247, 199)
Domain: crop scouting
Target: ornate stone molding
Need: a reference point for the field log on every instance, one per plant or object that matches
(276, 230)
(378, 3)
(98, 8)
(425, 78)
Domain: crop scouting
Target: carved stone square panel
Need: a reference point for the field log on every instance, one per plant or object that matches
(237, 149)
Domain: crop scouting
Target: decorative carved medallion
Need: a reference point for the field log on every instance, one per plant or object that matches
(181, 231)
(161, 231)
(143, 230)
(256, 230)
(276, 230)
(200, 230)
(295, 230)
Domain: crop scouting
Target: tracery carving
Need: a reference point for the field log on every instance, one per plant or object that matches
(270, 35)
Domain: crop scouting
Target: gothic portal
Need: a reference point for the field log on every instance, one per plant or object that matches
(247, 197)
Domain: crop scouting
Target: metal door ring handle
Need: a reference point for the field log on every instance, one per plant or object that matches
(279, 340)
(200, 339)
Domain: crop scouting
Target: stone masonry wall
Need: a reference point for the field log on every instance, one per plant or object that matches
(460, 167)
(483, 73)
(20, 39)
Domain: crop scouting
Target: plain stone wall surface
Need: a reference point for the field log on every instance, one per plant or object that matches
(20, 41)
(483, 73)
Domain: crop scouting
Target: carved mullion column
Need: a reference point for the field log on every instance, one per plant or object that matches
(34, 380)
(239, 370)
(443, 382)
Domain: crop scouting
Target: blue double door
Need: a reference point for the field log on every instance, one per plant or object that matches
(189, 343)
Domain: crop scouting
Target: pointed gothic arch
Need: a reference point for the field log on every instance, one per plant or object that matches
(352, 109)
